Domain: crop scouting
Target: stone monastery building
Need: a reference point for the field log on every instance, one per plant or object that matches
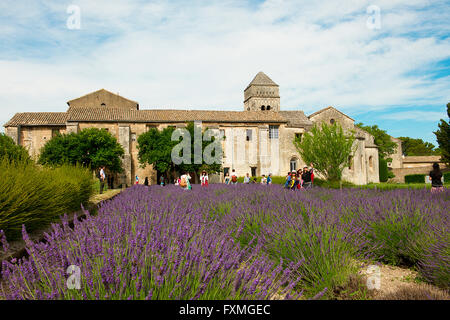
(258, 140)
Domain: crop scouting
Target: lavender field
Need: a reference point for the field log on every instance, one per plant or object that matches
(235, 242)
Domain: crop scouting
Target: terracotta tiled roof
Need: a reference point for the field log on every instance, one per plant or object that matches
(38, 118)
(159, 115)
(296, 118)
(261, 79)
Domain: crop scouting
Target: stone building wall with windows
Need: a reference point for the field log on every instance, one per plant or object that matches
(258, 140)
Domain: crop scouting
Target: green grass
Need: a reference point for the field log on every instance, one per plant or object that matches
(35, 196)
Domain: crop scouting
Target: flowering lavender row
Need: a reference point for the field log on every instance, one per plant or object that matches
(145, 245)
(235, 242)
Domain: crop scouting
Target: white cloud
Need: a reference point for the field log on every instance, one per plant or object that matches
(432, 116)
(202, 55)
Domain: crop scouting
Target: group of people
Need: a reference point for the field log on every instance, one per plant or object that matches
(247, 180)
(185, 180)
(300, 179)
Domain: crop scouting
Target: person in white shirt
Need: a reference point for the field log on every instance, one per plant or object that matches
(204, 179)
(247, 179)
(263, 179)
(102, 177)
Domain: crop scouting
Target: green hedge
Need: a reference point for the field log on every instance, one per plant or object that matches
(37, 196)
(446, 177)
(275, 179)
(415, 178)
(383, 170)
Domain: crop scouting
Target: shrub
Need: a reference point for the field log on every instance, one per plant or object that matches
(12, 151)
(325, 253)
(446, 177)
(415, 178)
(383, 170)
(91, 147)
(435, 264)
(332, 184)
(36, 196)
(399, 235)
(275, 179)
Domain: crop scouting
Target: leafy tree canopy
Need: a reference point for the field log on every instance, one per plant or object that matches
(328, 148)
(443, 138)
(11, 151)
(383, 140)
(417, 147)
(90, 148)
(155, 148)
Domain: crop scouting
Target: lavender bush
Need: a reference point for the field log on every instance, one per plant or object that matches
(234, 242)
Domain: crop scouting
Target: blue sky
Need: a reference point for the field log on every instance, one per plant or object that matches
(202, 54)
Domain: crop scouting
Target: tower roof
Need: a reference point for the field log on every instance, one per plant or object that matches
(262, 79)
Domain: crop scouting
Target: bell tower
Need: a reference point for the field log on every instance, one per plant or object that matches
(262, 94)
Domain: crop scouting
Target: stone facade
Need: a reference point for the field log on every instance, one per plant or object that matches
(416, 165)
(258, 140)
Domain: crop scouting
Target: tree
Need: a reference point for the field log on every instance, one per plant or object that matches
(90, 148)
(383, 140)
(197, 167)
(155, 148)
(443, 138)
(417, 147)
(11, 151)
(328, 148)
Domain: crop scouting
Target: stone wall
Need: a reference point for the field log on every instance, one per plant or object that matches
(103, 99)
(33, 138)
(400, 173)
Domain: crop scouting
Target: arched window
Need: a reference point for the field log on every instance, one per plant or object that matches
(263, 108)
(332, 121)
(371, 163)
(268, 108)
(293, 164)
(103, 104)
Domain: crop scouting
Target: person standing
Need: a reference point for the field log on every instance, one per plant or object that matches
(263, 179)
(204, 179)
(102, 177)
(294, 181)
(306, 177)
(288, 180)
(137, 180)
(436, 179)
(233, 177)
(162, 181)
(269, 179)
(184, 181)
(227, 178)
(189, 187)
(247, 179)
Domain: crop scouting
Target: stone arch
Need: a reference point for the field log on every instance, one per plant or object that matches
(293, 164)
(268, 108)
(263, 108)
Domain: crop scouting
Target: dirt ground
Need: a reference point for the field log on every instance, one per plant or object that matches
(403, 284)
